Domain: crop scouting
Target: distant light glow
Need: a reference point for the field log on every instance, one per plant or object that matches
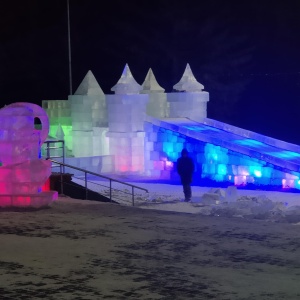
(284, 183)
(123, 168)
(168, 149)
(169, 164)
(244, 172)
(222, 169)
(257, 173)
(240, 180)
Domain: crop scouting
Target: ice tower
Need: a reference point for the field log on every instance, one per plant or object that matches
(126, 116)
(192, 101)
(22, 171)
(89, 118)
(157, 106)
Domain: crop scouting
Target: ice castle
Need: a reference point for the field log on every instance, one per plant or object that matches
(141, 130)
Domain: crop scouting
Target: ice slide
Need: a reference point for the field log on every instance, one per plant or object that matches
(285, 156)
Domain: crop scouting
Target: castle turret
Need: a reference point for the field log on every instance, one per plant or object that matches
(88, 110)
(157, 106)
(126, 116)
(191, 100)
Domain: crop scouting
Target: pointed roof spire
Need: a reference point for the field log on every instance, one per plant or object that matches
(60, 133)
(150, 84)
(89, 86)
(188, 82)
(126, 84)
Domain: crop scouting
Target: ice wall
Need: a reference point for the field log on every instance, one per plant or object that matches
(59, 113)
(22, 172)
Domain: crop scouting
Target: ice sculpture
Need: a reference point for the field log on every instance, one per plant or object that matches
(126, 84)
(22, 171)
(192, 102)
(142, 129)
(89, 117)
(126, 117)
(188, 82)
(157, 106)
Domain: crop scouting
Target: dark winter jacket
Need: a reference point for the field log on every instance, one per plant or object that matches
(185, 167)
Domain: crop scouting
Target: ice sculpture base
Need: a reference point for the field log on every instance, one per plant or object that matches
(38, 200)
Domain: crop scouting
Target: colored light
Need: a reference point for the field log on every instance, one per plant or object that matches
(23, 173)
(257, 173)
(169, 163)
(168, 149)
(200, 128)
(284, 154)
(215, 156)
(250, 142)
(222, 169)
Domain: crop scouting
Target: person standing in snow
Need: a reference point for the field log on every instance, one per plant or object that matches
(185, 169)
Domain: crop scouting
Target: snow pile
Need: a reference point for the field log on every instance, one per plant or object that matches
(227, 203)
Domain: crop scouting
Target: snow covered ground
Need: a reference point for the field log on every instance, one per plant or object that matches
(229, 202)
(215, 247)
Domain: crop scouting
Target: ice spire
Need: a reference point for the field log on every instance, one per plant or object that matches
(126, 84)
(60, 133)
(188, 82)
(150, 84)
(89, 86)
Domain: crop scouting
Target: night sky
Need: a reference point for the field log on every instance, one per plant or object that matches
(245, 53)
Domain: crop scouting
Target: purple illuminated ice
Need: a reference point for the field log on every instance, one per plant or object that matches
(22, 171)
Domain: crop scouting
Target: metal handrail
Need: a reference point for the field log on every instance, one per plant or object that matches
(48, 149)
(63, 165)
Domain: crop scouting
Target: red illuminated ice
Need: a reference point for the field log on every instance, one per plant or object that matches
(22, 171)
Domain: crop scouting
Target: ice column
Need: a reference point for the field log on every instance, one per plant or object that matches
(157, 106)
(192, 102)
(126, 115)
(88, 108)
